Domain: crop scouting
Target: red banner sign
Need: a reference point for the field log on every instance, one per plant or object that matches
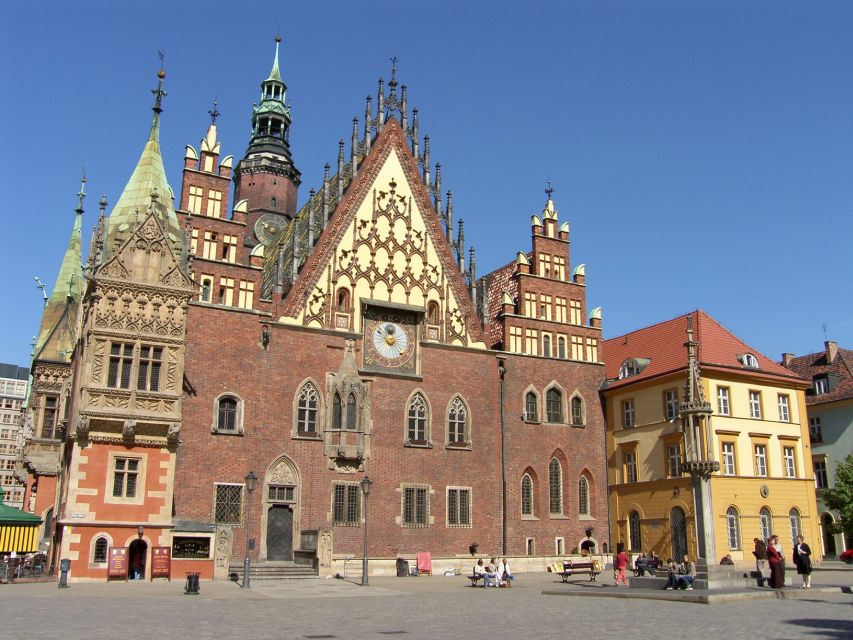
(161, 562)
(117, 566)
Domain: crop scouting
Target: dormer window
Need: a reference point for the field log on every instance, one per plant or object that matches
(748, 360)
(821, 385)
(632, 367)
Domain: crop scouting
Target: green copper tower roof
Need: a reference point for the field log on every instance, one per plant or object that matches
(148, 189)
(58, 323)
(275, 74)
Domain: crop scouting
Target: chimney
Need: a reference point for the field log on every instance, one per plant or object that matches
(787, 359)
(831, 350)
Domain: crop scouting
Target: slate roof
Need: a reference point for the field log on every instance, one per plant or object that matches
(59, 320)
(663, 345)
(816, 364)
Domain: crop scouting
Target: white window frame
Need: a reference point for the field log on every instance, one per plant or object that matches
(724, 407)
(784, 408)
(790, 457)
(754, 404)
(760, 460)
(729, 460)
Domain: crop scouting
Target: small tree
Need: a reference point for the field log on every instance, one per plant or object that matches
(840, 497)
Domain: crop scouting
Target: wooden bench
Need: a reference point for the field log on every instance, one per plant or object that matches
(475, 578)
(570, 568)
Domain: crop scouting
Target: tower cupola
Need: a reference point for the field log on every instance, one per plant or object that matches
(266, 177)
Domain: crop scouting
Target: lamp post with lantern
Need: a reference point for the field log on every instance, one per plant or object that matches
(250, 486)
(365, 490)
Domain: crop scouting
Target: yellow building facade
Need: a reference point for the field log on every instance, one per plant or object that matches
(757, 432)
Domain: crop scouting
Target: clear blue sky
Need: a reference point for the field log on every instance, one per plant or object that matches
(700, 150)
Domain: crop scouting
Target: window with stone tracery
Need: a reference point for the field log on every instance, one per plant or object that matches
(416, 431)
(307, 407)
(457, 422)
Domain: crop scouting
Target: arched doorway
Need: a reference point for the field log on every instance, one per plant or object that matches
(137, 553)
(826, 523)
(280, 520)
(678, 532)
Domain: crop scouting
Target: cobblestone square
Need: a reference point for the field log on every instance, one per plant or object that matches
(427, 607)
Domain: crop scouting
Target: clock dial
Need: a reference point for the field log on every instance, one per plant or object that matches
(389, 341)
(267, 227)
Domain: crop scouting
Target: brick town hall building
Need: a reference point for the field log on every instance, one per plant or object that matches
(313, 346)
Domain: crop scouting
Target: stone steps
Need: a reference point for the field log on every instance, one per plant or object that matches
(274, 571)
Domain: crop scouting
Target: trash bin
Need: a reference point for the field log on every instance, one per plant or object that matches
(402, 568)
(64, 568)
(191, 588)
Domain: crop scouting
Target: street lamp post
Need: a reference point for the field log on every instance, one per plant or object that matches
(365, 490)
(250, 486)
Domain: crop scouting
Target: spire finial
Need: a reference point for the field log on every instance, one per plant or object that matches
(549, 190)
(81, 195)
(393, 81)
(159, 94)
(214, 113)
(275, 74)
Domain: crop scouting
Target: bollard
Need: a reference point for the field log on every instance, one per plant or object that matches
(191, 587)
(64, 568)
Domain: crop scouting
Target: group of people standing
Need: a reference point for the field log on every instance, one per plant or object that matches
(495, 574)
(770, 554)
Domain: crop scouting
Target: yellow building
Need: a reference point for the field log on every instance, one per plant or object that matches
(696, 417)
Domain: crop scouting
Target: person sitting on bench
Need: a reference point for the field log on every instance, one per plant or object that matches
(504, 574)
(480, 570)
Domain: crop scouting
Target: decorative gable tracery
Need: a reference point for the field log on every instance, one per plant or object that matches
(390, 249)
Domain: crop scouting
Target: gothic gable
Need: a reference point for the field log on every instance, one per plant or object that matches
(146, 257)
(385, 243)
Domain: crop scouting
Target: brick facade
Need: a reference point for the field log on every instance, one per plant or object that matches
(379, 261)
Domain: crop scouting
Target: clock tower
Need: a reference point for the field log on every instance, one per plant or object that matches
(266, 176)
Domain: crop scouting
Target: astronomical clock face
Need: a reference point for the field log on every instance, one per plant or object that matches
(390, 339)
(267, 227)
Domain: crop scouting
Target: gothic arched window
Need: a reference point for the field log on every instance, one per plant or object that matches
(457, 422)
(577, 411)
(583, 496)
(416, 426)
(337, 410)
(554, 405)
(555, 486)
(306, 409)
(531, 407)
(526, 495)
(352, 412)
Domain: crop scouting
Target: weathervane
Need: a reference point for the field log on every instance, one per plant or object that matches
(214, 114)
(549, 191)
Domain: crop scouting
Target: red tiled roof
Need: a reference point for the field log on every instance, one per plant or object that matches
(815, 364)
(500, 281)
(663, 345)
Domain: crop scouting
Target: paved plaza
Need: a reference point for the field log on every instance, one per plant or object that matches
(426, 607)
